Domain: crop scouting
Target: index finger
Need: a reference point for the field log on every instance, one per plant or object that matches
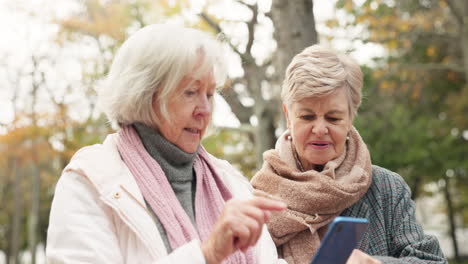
(268, 204)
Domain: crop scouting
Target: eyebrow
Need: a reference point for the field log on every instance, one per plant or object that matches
(334, 111)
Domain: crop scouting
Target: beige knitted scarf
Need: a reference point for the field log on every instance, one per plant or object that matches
(314, 198)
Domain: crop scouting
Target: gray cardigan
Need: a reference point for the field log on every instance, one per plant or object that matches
(393, 235)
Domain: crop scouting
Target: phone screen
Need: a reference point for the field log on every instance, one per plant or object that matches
(342, 237)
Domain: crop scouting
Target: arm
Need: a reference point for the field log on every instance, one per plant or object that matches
(80, 225)
(409, 244)
(265, 249)
(82, 230)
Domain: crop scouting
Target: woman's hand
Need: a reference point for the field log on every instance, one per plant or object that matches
(358, 257)
(239, 227)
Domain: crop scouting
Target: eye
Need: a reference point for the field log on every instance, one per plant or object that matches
(307, 117)
(333, 119)
(209, 95)
(190, 92)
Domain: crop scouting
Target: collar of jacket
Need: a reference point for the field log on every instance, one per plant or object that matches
(103, 167)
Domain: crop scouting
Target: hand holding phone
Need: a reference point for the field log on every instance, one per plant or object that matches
(359, 257)
(342, 237)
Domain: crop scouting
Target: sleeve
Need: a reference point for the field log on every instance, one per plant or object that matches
(81, 229)
(409, 243)
(265, 249)
(188, 253)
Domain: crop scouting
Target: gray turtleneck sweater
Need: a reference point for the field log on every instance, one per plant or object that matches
(178, 167)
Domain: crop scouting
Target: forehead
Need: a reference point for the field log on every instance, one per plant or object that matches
(206, 78)
(336, 101)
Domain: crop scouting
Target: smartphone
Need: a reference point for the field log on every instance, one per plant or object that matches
(343, 235)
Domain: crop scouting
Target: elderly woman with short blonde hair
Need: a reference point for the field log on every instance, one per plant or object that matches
(322, 169)
(150, 193)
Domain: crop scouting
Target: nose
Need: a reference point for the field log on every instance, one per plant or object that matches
(204, 107)
(320, 128)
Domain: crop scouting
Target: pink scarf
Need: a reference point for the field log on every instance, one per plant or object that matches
(210, 195)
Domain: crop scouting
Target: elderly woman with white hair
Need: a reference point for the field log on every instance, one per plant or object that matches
(324, 170)
(150, 193)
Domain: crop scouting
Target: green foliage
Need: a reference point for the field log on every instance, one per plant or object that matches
(47, 147)
(414, 116)
(234, 146)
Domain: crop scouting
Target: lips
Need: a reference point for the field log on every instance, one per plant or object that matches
(320, 144)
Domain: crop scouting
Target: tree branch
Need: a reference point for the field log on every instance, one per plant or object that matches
(251, 27)
(139, 15)
(246, 57)
(415, 35)
(243, 113)
(435, 66)
(455, 11)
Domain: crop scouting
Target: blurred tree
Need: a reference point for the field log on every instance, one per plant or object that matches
(39, 141)
(18, 197)
(411, 119)
(239, 150)
(294, 29)
(255, 94)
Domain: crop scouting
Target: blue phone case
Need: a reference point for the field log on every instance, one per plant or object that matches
(343, 235)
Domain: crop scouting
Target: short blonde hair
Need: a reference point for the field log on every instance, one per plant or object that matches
(319, 71)
(148, 68)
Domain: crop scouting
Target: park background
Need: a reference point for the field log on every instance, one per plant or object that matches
(414, 53)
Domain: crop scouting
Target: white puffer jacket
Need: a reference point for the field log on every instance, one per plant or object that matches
(98, 214)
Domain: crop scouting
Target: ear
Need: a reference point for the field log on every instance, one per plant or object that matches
(285, 111)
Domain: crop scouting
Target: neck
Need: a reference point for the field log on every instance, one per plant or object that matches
(318, 167)
(157, 145)
(176, 164)
(303, 165)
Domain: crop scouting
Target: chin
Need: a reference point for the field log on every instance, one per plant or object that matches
(190, 149)
(319, 162)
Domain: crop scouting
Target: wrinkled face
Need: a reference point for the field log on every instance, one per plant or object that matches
(189, 112)
(319, 127)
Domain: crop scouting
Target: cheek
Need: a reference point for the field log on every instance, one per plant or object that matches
(299, 132)
(340, 137)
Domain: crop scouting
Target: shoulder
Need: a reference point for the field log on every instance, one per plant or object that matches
(99, 163)
(387, 180)
(388, 186)
(96, 153)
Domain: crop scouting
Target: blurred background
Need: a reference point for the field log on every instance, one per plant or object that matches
(414, 53)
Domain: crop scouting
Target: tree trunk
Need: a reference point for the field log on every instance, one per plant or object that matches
(464, 44)
(15, 239)
(265, 131)
(34, 214)
(294, 24)
(294, 30)
(415, 186)
(459, 11)
(35, 180)
(451, 218)
(464, 35)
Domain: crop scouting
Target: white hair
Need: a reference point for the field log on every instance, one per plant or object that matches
(319, 71)
(148, 68)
